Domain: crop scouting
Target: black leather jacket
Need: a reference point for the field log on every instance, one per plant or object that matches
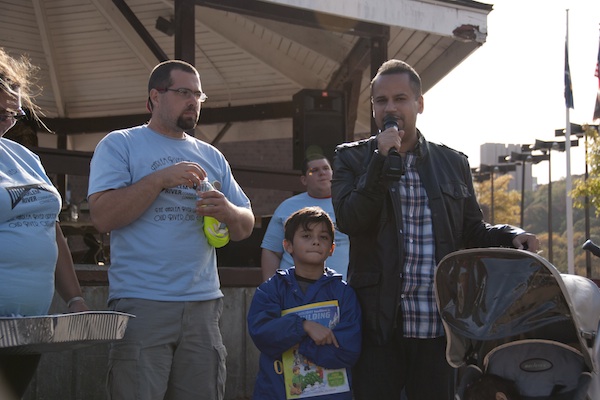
(368, 209)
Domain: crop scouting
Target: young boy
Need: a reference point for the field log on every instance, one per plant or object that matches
(305, 320)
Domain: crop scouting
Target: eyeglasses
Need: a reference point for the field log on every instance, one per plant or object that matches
(19, 115)
(187, 93)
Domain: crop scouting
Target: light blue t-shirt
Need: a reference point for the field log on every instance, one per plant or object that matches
(29, 206)
(163, 255)
(273, 239)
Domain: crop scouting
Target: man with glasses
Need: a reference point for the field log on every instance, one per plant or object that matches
(142, 189)
(316, 176)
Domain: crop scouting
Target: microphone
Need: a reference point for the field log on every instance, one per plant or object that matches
(390, 121)
(396, 167)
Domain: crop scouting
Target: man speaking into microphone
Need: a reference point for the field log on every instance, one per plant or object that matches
(405, 203)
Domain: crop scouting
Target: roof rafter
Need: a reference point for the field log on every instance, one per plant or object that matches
(281, 62)
(235, 33)
(325, 43)
(50, 54)
(68, 126)
(126, 31)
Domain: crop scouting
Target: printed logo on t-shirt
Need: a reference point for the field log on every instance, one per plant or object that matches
(25, 193)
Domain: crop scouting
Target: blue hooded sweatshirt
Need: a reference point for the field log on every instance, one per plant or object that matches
(273, 333)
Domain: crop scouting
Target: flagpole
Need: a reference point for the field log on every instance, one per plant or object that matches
(569, 189)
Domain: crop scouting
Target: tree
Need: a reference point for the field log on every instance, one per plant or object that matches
(591, 186)
(507, 208)
(506, 202)
(536, 222)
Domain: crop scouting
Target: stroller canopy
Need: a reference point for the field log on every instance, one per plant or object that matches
(489, 297)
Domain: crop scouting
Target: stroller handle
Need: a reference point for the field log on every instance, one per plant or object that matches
(591, 247)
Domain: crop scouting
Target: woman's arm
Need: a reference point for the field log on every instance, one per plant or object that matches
(65, 277)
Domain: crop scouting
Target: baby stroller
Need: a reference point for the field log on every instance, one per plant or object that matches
(511, 313)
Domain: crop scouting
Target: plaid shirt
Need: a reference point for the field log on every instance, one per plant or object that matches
(419, 309)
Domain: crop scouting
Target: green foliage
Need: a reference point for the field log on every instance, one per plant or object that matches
(591, 186)
(507, 204)
(507, 209)
(536, 221)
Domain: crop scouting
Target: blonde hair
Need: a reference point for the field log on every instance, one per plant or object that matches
(18, 77)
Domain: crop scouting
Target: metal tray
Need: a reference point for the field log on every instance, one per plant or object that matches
(47, 333)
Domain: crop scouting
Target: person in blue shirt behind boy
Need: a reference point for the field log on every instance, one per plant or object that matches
(306, 320)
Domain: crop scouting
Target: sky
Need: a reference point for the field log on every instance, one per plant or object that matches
(511, 89)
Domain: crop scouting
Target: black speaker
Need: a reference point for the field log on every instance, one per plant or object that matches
(319, 124)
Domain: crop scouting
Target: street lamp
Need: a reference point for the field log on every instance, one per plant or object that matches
(488, 171)
(546, 148)
(479, 175)
(525, 158)
(588, 259)
(576, 129)
(572, 129)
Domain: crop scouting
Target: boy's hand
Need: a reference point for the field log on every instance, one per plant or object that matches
(320, 334)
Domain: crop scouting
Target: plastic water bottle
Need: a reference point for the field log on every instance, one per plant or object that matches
(216, 232)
